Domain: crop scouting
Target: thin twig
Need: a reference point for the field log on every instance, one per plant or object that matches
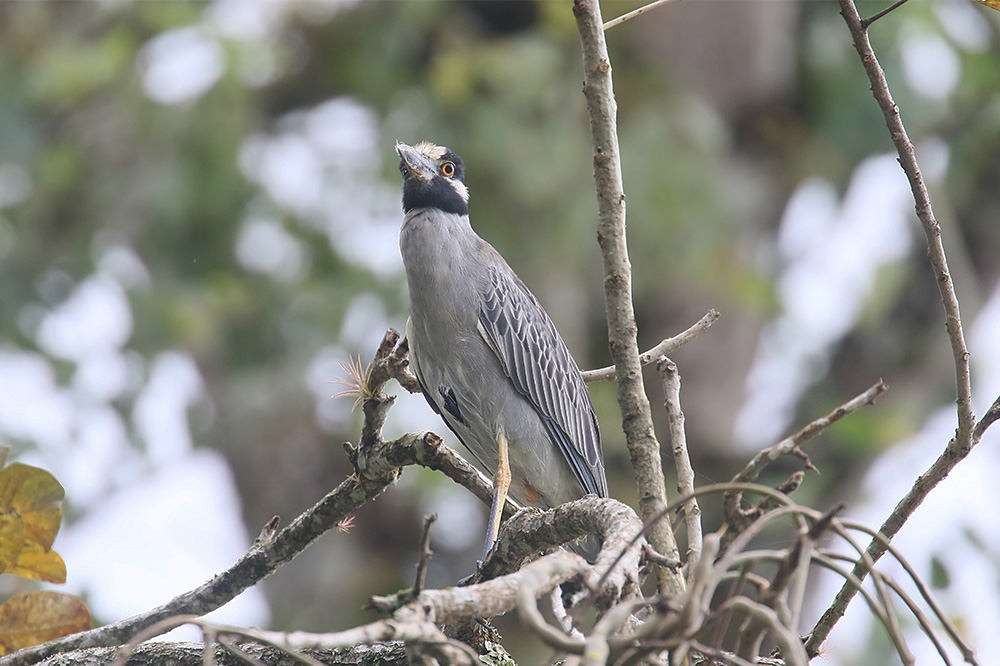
(914, 609)
(925, 625)
(737, 516)
(710, 489)
(671, 380)
(880, 611)
(425, 553)
(632, 14)
(637, 419)
(989, 418)
(871, 19)
(925, 213)
(535, 583)
(659, 560)
(967, 652)
(791, 647)
(668, 346)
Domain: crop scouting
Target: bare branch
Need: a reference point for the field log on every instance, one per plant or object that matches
(392, 361)
(989, 418)
(788, 642)
(667, 346)
(671, 380)
(879, 610)
(967, 652)
(659, 560)
(632, 14)
(534, 584)
(964, 440)
(425, 553)
(930, 226)
(735, 515)
(891, 8)
(417, 622)
(925, 625)
(532, 531)
(408, 626)
(637, 420)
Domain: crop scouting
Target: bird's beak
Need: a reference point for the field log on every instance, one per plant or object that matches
(417, 164)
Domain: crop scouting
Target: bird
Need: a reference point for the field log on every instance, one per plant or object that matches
(487, 356)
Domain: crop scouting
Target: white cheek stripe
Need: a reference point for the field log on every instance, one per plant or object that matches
(460, 187)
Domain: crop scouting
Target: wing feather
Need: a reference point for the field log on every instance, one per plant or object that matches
(539, 365)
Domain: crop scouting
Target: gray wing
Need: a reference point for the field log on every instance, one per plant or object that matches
(540, 367)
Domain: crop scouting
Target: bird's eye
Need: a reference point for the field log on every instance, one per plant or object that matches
(448, 169)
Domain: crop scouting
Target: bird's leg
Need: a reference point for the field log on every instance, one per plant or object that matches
(501, 483)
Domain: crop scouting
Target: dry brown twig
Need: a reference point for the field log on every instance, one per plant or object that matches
(782, 593)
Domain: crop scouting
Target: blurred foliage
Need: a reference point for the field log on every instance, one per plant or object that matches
(722, 115)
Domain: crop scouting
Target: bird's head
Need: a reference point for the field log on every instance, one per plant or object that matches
(433, 177)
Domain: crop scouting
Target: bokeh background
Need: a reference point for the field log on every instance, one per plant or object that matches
(199, 206)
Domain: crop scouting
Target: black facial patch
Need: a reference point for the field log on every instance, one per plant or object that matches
(437, 192)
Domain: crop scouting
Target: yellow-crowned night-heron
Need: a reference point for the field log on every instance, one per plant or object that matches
(488, 357)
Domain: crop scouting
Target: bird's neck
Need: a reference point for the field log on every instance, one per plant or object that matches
(442, 256)
(435, 240)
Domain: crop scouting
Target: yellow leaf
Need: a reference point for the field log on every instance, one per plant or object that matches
(11, 539)
(32, 619)
(30, 513)
(992, 4)
(37, 497)
(39, 564)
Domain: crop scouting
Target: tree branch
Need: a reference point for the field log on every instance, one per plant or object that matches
(736, 516)
(263, 558)
(637, 421)
(964, 440)
(665, 347)
(632, 14)
(671, 380)
(532, 531)
(159, 653)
